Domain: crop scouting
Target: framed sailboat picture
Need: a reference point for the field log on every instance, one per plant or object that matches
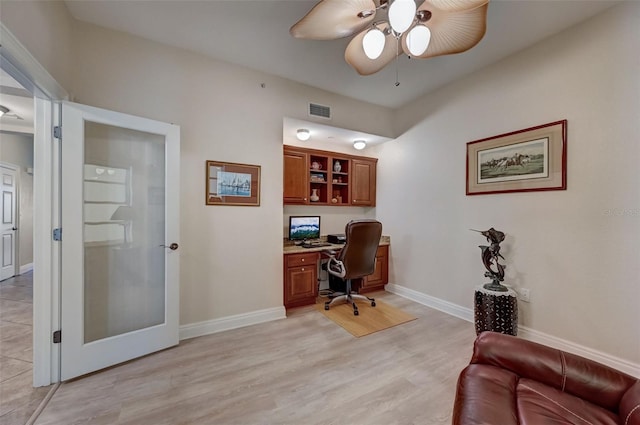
(228, 183)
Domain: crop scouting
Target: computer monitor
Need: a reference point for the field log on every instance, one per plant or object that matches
(304, 227)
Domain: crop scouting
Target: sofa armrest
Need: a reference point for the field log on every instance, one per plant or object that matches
(584, 378)
(630, 406)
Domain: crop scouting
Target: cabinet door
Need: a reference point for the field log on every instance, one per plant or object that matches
(363, 182)
(380, 275)
(296, 172)
(300, 285)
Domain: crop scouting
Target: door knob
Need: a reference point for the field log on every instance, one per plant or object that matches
(14, 228)
(172, 247)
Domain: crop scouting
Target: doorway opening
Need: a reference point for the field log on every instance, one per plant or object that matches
(16, 252)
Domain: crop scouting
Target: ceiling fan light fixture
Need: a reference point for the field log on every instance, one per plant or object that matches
(359, 144)
(418, 40)
(3, 110)
(373, 43)
(303, 134)
(401, 15)
(442, 27)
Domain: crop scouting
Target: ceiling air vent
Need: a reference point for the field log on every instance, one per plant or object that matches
(321, 111)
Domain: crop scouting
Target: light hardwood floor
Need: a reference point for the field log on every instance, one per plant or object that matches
(301, 370)
(18, 398)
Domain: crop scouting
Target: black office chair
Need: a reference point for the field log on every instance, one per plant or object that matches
(356, 259)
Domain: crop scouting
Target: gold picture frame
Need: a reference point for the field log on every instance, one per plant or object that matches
(533, 159)
(229, 183)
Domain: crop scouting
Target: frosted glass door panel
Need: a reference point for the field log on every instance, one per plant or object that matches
(124, 230)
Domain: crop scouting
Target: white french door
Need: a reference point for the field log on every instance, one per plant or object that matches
(120, 231)
(8, 177)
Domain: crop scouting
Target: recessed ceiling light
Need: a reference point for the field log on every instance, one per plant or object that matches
(359, 144)
(303, 134)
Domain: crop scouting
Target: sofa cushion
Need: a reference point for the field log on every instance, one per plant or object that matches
(540, 404)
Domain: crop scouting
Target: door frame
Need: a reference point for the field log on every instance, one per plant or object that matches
(16, 219)
(18, 62)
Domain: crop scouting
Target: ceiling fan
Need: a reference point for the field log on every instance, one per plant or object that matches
(423, 30)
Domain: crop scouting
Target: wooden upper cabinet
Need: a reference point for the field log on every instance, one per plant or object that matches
(296, 172)
(312, 177)
(363, 182)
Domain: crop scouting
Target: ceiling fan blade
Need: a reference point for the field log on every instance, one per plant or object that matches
(451, 32)
(355, 56)
(331, 19)
(456, 5)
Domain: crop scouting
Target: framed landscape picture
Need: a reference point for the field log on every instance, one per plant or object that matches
(526, 160)
(228, 183)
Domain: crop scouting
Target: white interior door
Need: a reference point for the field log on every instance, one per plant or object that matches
(8, 226)
(120, 206)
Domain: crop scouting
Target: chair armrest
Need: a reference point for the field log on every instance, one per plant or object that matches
(568, 372)
(336, 267)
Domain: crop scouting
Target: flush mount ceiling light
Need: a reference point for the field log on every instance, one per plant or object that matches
(359, 144)
(303, 134)
(3, 110)
(434, 28)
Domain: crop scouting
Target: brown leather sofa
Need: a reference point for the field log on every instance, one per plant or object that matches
(513, 381)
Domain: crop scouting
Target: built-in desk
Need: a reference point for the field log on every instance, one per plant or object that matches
(301, 272)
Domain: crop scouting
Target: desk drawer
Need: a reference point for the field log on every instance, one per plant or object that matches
(297, 260)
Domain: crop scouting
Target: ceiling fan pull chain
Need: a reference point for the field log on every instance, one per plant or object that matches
(397, 56)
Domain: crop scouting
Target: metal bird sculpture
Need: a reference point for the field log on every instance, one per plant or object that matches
(490, 255)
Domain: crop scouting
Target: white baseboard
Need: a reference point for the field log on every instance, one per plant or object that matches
(433, 302)
(524, 332)
(208, 327)
(26, 268)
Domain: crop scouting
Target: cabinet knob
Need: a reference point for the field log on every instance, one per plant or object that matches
(302, 260)
(302, 269)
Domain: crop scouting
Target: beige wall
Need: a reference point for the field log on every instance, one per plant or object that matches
(17, 149)
(231, 257)
(45, 29)
(576, 250)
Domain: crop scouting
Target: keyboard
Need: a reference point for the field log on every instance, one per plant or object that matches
(315, 245)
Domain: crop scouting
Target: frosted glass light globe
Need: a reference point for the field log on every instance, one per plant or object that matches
(418, 40)
(401, 15)
(373, 43)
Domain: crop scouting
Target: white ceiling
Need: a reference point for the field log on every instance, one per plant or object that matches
(326, 136)
(255, 34)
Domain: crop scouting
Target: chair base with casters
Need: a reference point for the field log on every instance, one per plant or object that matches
(349, 297)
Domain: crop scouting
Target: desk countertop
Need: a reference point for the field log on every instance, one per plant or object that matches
(289, 248)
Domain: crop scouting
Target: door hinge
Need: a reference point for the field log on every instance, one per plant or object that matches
(57, 337)
(57, 132)
(57, 234)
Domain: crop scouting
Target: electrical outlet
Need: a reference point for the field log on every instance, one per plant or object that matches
(525, 295)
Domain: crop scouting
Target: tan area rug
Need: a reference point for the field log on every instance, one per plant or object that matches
(370, 319)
